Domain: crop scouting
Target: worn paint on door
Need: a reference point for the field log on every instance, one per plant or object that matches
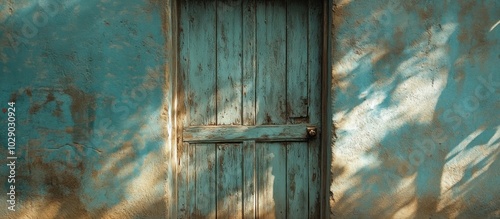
(249, 88)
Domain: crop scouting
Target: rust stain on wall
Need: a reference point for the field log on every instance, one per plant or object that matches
(475, 36)
(82, 111)
(425, 13)
(58, 111)
(13, 97)
(63, 189)
(28, 92)
(50, 97)
(34, 108)
(59, 179)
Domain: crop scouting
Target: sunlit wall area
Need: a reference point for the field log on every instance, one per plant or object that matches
(415, 104)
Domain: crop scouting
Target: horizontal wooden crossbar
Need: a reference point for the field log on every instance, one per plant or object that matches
(262, 133)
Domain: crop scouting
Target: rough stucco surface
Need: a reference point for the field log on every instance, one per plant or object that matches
(88, 81)
(415, 107)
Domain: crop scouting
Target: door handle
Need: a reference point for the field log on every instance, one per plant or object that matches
(312, 131)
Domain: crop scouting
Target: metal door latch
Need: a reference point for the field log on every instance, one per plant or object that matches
(312, 132)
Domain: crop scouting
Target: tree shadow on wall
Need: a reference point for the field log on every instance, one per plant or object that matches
(417, 92)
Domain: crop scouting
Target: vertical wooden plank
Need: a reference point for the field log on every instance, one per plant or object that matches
(191, 180)
(229, 62)
(271, 58)
(205, 180)
(197, 41)
(249, 179)
(182, 155)
(296, 64)
(229, 103)
(187, 182)
(271, 180)
(314, 45)
(201, 77)
(229, 181)
(297, 107)
(201, 99)
(271, 106)
(184, 29)
(314, 69)
(297, 180)
(249, 65)
(182, 184)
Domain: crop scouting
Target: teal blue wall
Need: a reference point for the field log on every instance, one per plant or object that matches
(88, 79)
(415, 106)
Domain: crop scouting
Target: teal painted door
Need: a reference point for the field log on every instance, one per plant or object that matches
(249, 88)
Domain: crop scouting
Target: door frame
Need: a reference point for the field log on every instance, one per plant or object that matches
(174, 114)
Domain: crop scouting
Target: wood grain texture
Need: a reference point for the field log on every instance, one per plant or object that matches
(249, 180)
(251, 85)
(191, 181)
(205, 174)
(183, 184)
(249, 62)
(201, 78)
(314, 69)
(271, 59)
(229, 181)
(183, 167)
(263, 133)
(271, 180)
(184, 59)
(297, 180)
(296, 59)
(229, 63)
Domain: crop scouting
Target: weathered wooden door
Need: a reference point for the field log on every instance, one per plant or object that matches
(249, 93)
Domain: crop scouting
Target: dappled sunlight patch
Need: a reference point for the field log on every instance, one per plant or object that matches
(375, 186)
(415, 98)
(494, 26)
(38, 207)
(115, 161)
(465, 164)
(451, 157)
(408, 210)
(266, 205)
(141, 192)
